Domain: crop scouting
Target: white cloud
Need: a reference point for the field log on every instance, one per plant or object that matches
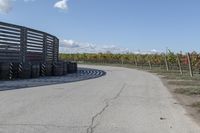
(71, 46)
(29, 0)
(114, 49)
(153, 51)
(62, 4)
(5, 6)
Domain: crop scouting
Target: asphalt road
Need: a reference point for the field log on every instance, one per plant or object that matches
(123, 101)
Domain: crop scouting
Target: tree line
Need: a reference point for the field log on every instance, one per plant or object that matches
(169, 60)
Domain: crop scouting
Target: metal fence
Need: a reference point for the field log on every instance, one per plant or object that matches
(29, 53)
(22, 44)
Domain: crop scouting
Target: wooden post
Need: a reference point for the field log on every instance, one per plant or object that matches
(122, 61)
(150, 66)
(166, 63)
(189, 64)
(179, 65)
(136, 64)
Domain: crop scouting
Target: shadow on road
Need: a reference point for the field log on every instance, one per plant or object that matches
(82, 74)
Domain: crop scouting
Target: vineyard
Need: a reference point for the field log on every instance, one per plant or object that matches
(188, 63)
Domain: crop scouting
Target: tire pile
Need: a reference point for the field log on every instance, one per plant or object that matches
(12, 71)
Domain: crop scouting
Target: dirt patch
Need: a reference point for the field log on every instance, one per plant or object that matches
(186, 95)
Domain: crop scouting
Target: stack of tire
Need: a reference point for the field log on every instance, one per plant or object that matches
(46, 69)
(71, 67)
(11, 70)
(75, 67)
(58, 68)
(14, 70)
(65, 68)
(8, 71)
(35, 70)
(24, 70)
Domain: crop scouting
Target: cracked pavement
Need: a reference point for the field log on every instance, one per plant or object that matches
(122, 101)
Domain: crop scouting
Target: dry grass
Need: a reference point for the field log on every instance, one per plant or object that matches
(184, 83)
(188, 91)
(196, 105)
(175, 74)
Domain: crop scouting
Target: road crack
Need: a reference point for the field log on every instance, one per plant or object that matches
(92, 126)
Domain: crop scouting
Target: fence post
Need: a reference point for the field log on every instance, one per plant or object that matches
(23, 44)
(150, 66)
(55, 49)
(166, 63)
(189, 64)
(136, 64)
(44, 48)
(122, 60)
(179, 65)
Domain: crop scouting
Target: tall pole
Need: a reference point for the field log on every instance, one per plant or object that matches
(150, 66)
(190, 64)
(166, 63)
(179, 65)
(136, 61)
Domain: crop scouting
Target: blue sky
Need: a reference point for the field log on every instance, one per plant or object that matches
(112, 24)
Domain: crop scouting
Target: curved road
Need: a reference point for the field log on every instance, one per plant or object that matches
(123, 101)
